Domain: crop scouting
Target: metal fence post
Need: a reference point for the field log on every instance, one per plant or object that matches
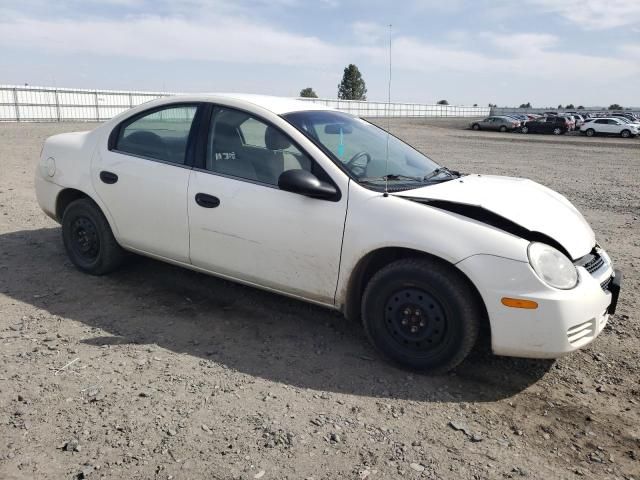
(97, 107)
(15, 104)
(55, 92)
(130, 100)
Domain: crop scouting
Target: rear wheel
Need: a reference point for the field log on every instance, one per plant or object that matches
(503, 129)
(421, 314)
(88, 238)
(557, 131)
(590, 132)
(625, 134)
(525, 129)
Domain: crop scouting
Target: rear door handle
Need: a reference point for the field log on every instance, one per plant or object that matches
(108, 177)
(207, 201)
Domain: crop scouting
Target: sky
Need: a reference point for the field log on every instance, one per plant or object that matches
(547, 52)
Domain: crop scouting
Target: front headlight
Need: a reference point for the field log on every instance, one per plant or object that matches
(552, 266)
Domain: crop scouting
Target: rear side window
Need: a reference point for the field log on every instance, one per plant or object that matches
(160, 135)
(601, 122)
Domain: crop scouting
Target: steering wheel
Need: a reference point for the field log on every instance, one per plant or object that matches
(358, 170)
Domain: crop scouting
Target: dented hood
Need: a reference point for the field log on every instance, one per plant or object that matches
(525, 203)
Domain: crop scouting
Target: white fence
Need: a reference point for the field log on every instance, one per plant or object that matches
(49, 104)
(383, 109)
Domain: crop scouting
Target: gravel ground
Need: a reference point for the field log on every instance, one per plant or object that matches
(157, 373)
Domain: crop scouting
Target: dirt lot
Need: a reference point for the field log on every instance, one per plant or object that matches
(158, 372)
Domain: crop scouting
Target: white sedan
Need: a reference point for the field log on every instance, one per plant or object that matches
(610, 126)
(319, 205)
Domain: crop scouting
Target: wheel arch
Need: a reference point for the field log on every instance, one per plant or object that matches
(70, 194)
(64, 199)
(373, 261)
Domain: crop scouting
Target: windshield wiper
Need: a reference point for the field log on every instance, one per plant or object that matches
(391, 176)
(439, 171)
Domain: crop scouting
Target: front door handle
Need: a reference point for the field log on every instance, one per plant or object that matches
(207, 201)
(108, 177)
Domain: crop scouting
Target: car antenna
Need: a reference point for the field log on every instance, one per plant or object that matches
(386, 162)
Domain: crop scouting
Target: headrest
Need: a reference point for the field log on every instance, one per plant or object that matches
(274, 140)
(226, 136)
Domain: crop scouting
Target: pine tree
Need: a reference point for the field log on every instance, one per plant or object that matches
(352, 86)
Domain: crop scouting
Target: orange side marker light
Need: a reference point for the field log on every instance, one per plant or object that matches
(519, 303)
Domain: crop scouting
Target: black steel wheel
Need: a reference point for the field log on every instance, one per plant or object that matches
(84, 240)
(415, 319)
(422, 314)
(88, 238)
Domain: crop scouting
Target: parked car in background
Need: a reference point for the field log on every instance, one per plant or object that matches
(627, 116)
(610, 126)
(499, 123)
(579, 120)
(552, 124)
(570, 120)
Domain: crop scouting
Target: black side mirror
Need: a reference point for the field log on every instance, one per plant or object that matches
(306, 183)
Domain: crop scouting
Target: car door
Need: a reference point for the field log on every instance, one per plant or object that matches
(601, 125)
(142, 174)
(614, 126)
(247, 228)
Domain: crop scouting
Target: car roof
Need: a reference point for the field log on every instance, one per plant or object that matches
(277, 105)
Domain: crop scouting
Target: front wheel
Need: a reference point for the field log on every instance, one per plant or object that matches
(503, 129)
(525, 130)
(475, 126)
(557, 131)
(625, 134)
(590, 132)
(88, 238)
(421, 314)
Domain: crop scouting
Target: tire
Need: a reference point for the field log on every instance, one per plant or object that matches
(625, 133)
(475, 126)
(88, 238)
(557, 131)
(422, 315)
(503, 129)
(590, 132)
(524, 129)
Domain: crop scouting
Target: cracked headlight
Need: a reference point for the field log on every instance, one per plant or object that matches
(552, 266)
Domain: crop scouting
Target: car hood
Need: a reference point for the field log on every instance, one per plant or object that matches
(523, 202)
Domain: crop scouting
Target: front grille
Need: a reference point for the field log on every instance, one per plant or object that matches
(592, 262)
(582, 332)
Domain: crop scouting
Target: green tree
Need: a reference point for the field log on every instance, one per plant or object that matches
(308, 93)
(443, 102)
(580, 107)
(525, 105)
(569, 105)
(560, 106)
(352, 86)
(615, 106)
(475, 104)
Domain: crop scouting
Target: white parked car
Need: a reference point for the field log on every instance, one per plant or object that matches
(610, 126)
(302, 200)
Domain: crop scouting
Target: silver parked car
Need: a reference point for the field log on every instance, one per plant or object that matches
(502, 124)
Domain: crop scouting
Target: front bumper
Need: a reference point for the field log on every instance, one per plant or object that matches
(564, 321)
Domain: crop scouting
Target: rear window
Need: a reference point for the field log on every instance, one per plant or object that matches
(160, 135)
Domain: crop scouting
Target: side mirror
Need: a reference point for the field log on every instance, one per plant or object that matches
(307, 184)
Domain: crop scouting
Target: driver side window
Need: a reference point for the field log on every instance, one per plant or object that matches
(240, 145)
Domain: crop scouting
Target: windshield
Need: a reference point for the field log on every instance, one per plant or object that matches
(361, 148)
